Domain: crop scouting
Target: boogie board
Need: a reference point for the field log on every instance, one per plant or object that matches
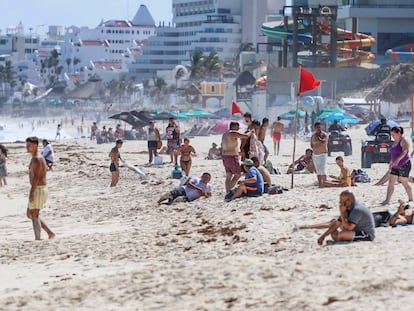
(136, 170)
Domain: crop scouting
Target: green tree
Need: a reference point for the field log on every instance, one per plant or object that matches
(75, 62)
(68, 62)
(178, 75)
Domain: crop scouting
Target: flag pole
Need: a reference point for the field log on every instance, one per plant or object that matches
(295, 127)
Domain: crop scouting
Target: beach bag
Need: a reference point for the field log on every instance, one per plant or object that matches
(361, 177)
(381, 218)
(159, 144)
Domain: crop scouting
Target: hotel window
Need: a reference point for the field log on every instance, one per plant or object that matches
(213, 89)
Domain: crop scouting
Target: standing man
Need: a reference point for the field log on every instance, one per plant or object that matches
(58, 129)
(277, 129)
(319, 145)
(173, 138)
(230, 154)
(262, 135)
(153, 137)
(245, 143)
(38, 189)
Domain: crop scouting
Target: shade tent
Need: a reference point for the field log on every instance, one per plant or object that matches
(199, 113)
(223, 113)
(342, 117)
(129, 118)
(291, 114)
(224, 125)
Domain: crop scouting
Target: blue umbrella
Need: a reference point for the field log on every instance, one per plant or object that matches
(344, 117)
(371, 127)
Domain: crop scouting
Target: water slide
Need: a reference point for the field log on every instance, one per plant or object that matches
(348, 45)
(402, 52)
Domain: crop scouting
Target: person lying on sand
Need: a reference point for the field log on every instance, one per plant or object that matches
(402, 216)
(304, 164)
(192, 190)
(356, 222)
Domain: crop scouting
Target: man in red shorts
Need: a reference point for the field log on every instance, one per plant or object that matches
(230, 154)
(277, 129)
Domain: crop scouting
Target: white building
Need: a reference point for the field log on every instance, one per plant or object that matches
(110, 41)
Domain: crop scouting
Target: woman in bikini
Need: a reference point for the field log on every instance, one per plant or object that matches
(114, 166)
(184, 151)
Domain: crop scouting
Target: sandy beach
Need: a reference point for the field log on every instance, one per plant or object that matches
(116, 249)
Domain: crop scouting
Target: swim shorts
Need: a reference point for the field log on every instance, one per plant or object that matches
(40, 197)
(112, 167)
(231, 164)
(403, 171)
(277, 136)
(320, 163)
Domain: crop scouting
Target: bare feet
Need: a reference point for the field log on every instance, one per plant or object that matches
(51, 235)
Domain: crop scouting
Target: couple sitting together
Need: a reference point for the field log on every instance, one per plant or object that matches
(255, 183)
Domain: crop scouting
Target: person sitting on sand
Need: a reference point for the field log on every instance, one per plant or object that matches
(355, 223)
(402, 216)
(344, 179)
(48, 153)
(304, 164)
(267, 179)
(252, 185)
(192, 190)
(214, 153)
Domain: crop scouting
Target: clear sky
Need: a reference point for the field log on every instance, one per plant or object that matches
(37, 13)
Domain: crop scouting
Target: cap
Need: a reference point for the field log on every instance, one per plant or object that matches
(214, 145)
(248, 162)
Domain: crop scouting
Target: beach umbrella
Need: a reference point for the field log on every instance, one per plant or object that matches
(179, 115)
(224, 125)
(343, 117)
(199, 113)
(291, 114)
(129, 118)
(223, 113)
(371, 127)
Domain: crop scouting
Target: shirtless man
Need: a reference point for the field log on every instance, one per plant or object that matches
(277, 129)
(230, 154)
(38, 189)
(245, 143)
(265, 173)
(319, 145)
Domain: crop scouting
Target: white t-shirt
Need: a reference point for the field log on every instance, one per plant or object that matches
(193, 194)
(46, 150)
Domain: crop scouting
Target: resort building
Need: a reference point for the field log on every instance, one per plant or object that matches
(111, 41)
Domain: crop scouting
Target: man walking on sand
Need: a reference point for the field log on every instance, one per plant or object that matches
(319, 145)
(38, 189)
(230, 154)
(277, 129)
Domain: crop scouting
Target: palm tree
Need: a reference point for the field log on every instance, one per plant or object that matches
(179, 74)
(196, 65)
(212, 66)
(68, 62)
(75, 62)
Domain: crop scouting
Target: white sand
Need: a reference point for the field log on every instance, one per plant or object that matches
(116, 249)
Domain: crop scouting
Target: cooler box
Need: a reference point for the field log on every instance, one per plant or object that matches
(158, 160)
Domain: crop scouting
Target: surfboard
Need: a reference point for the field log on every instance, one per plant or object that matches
(135, 169)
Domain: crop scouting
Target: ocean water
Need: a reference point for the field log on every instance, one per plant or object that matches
(12, 132)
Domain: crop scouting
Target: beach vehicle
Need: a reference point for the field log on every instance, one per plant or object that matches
(376, 151)
(339, 142)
